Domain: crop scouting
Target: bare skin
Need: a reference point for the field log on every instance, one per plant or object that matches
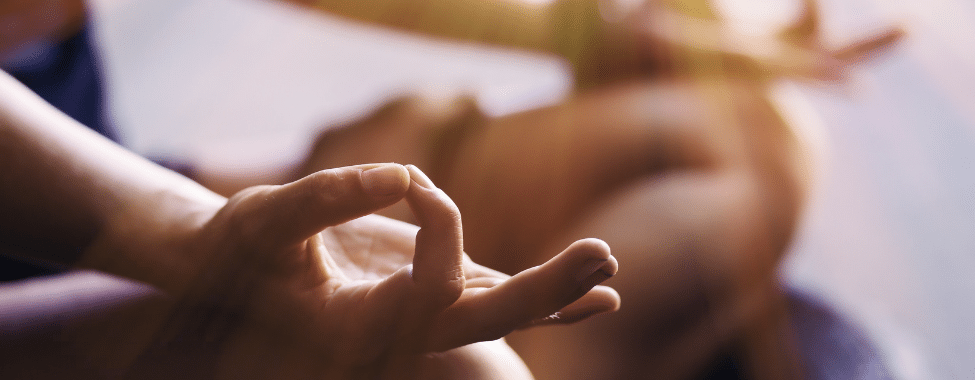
(251, 285)
(725, 186)
(691, 175)
(729, 200)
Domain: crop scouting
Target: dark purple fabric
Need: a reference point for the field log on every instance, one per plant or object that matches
(69, 78)
(832, 346)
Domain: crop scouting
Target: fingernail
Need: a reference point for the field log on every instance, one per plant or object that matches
(421, 179)
(385, 180)
(589, 268)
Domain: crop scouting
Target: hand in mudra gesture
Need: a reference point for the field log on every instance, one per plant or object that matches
(276, 298)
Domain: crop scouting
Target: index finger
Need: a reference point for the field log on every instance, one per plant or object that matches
(439, 254)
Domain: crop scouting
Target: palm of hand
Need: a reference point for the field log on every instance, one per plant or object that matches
(344, 304)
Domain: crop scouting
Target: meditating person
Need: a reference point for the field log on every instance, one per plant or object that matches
(687, 168)
(671, 150)
(290, 281)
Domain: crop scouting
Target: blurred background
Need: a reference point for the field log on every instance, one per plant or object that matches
(243, 86)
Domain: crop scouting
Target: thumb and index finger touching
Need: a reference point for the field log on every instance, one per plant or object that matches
(296, 211)
(291, 213)
(282, 216)
(436, 280)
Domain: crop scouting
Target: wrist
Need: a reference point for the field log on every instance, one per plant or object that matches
(151, 240)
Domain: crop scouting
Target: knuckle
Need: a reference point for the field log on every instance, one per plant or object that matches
(330, 186)
(449, 210)
(446, 293)
(246, 210)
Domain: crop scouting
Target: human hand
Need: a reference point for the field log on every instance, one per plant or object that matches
(624, 40)
(524, 178)
(425, 130)
(274, 298)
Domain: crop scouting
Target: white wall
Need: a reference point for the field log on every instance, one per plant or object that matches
(240, 85)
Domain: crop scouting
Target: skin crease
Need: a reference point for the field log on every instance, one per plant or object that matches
(696, 181)
(248, 287)
(52, 21)
(701, 183)
(749, 187)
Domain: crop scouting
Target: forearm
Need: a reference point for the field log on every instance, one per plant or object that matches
(517, 24)
(77, 325)
(65, 187)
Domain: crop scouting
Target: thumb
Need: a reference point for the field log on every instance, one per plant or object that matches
(291, 213)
